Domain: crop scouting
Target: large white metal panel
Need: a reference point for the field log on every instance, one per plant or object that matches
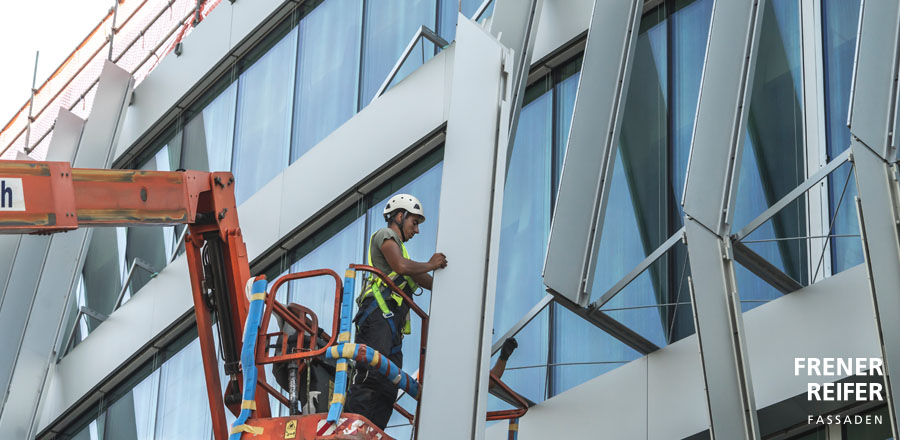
(590, 146)
(451, 378)
(54, 278)
(675, 371)
(720, 124)
(398, 119)
(66, 136)
(101, 132)
(874, 80)
(879, 199)
(561, 21)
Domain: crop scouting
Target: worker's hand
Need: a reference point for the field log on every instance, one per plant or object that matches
(438, 261)
(509, 346)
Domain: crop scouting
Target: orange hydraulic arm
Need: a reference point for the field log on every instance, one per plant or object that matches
(50, 197)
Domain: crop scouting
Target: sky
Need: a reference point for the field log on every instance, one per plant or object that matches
(54, 27)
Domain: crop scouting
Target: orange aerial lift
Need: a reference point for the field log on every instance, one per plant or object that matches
(51, 197)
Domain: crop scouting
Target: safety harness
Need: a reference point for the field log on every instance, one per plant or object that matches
(378, 289)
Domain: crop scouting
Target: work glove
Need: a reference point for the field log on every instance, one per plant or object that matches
(509, 346)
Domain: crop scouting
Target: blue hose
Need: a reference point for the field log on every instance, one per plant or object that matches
(248, 360)
(340, 377)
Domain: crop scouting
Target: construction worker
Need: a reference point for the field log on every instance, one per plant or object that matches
(383, 316)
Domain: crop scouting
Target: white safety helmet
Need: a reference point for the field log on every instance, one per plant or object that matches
(405, 202)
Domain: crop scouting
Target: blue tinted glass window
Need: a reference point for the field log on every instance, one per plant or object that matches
(774, 160)
(263, 131)
(208, 136)
(327, 71)
(840, 19)
(525, 225)
(389, 27)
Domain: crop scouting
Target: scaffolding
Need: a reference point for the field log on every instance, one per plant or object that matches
(135, 35)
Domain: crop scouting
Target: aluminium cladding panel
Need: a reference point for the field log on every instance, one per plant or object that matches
(719, 126)
(795, 325)
(14, 310)
(400, 118)
(453, 366)
(165, 299)
(561, 22)
(875, 75)
(607, 57)
(719, 322)
(878, 198)
(54, 278)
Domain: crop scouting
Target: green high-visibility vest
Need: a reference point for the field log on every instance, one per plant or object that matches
(375, 284)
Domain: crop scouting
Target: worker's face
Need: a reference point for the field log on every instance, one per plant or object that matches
(411, 225)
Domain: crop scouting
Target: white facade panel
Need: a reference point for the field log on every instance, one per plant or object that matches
(451, 378)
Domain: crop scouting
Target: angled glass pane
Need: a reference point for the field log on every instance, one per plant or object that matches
(644, 205)
(763, 241)
(639, 204)
(103, 272)
(525, 221)
(327, 72)
(564, 94)
(774, 158)
(526, 370)
(657, 304)
(840, 20)
(687, 50)
(208, 136)
(263, 131)
(153, 244)
(388, 28)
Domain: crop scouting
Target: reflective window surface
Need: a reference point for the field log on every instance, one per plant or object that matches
(326, 84)
(840, 19)
(263, 128)
(774, 157)
(644, 204)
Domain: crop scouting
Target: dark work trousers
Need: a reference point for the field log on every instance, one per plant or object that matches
(371, 394)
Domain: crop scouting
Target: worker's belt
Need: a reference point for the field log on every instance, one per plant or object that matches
(370, 305)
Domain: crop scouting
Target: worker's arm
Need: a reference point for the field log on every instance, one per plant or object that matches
(415, 269)
(509, 346)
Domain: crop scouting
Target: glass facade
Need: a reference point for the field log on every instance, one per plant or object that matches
(774, 157)
(273, 106)
(840, 20)
(291, 92)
